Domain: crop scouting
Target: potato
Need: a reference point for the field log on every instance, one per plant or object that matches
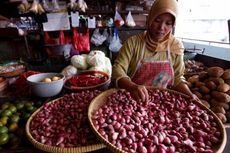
(226, 74)
(218, 109)
(203, 75)
(222, 117)
(228, 92)
(215, 71)
(223, 87)
(55, 78)
(220, 96)
(204, 89)
(46, 80)
(227, 81)
(207, 97)
(217, 81)
(199, 84)
(211, 85)
(215, 103)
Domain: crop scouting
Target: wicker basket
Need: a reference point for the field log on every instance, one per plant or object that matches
(102, 98)
(54, 149)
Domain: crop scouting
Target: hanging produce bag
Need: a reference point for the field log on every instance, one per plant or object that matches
(115, 43)
(129, 20)
(118, 21)
(81, 40)
(97, 38)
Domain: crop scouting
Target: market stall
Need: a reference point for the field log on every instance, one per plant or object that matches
(56, 95)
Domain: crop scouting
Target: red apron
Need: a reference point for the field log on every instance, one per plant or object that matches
(154, 73)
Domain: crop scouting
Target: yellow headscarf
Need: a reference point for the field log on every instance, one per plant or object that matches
(160, 7)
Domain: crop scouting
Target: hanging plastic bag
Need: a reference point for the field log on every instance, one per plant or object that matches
(110, 36)
(75, 38)
(56, 6)
(118, 21)
(129, 20)
(81, 41)
(72, 5)
(115, 44)
(84, 44)
(82, 6)
(62, 40)
(45, 5)
(50, 41)
(36, 7)
(24, 6)
(97, 38)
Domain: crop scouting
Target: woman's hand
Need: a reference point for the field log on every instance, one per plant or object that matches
(139, 93)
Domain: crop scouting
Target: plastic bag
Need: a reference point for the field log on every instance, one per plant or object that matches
(36, 7)
(129, 20)
(118, 21)
(115, 44)
(24, 6)
(50, 41)
(97, 38)
(82, 6)
(55, 5)
(81, 41)
(45, 5)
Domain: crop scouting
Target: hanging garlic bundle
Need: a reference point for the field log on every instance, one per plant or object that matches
(36, 7)
(82, 6)
(24, 6)
(73, 5)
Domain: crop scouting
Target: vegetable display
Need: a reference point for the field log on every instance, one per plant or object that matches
(213, 88)
(63, 122)
(13, 116)
(167, 123)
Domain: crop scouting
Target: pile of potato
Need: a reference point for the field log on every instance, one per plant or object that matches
(213, 88)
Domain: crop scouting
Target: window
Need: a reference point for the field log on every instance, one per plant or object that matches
(203, 20)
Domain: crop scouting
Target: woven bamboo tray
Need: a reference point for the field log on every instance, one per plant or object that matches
(54, 149)
(102, 98)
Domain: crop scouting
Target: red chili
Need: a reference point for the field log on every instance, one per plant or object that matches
(85, 80)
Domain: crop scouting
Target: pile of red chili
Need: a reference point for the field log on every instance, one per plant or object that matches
(86, 80)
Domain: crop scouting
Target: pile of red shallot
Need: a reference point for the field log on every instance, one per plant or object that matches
(167, 123)
(64, 122)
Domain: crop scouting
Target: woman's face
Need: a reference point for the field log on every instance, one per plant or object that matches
(161, 26)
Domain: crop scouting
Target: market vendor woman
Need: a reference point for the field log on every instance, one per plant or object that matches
(154, 57)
